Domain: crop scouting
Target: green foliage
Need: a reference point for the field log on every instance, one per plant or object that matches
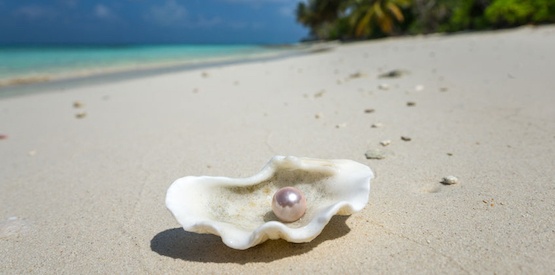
(356, 19)
(507, 13)
(466, 15)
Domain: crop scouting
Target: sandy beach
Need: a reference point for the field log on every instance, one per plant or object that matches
(84, 171)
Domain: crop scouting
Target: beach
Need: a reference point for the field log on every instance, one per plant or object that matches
(84, 171)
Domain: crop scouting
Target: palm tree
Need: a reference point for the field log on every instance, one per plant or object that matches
(367, 14)
(318, 14)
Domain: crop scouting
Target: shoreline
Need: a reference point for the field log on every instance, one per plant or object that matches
(45, 83)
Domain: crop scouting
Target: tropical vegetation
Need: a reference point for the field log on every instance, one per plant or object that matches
(363, 19)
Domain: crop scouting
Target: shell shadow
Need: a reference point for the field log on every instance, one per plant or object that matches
(180, 244)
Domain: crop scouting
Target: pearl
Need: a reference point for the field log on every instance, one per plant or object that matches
(289, 204)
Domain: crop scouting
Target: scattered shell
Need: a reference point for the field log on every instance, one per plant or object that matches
(411, 103)
(319, 94)
(368, 111)
(81, 115)
(383, 86)
(385, 142)
(449, 180)
(78, 104)
(239, 209)
(392, 74)
(405, 138)
(356, 75)
(419, 88)
(375, 154)
(341, 125)
(377, 125)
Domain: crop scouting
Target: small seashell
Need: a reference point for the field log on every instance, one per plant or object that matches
(356, 75)
(449, 180)
(78, 104)
(385, 142)
(383, 86)
(374, 154)
(240, 209)
(319, 94)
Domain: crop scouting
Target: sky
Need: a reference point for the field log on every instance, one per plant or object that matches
(149, 21)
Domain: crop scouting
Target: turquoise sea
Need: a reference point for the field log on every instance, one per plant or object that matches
(31, 64)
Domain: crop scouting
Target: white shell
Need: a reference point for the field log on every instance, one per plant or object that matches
(240, 210)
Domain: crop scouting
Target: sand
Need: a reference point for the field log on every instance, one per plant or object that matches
(82, 187)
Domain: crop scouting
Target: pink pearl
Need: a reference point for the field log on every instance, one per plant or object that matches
(289, 204)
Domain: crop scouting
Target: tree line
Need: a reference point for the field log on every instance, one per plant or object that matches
(365, 19)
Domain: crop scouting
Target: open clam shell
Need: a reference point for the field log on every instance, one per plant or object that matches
(239, 210)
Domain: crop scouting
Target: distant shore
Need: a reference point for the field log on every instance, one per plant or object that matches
(37, 83)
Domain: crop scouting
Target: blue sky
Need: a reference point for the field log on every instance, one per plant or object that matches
(149, 21)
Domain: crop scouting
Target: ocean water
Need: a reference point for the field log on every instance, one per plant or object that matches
(30, 64)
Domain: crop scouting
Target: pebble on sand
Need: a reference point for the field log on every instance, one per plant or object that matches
(383, 86)
(374, 154)
(411, 103)
(356, 75)
(449, 180)
(377, 125)
(81, 115)
(78, 104)
(368, 111)
(385, 142)
(319, 94)
(405, 138)
(392, 74)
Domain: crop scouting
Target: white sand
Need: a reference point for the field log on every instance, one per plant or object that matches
(87, 195)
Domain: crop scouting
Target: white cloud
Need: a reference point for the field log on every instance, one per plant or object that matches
(34, 12)
(103, 12)
(287, 11)
(170, 13)
(205, 22)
